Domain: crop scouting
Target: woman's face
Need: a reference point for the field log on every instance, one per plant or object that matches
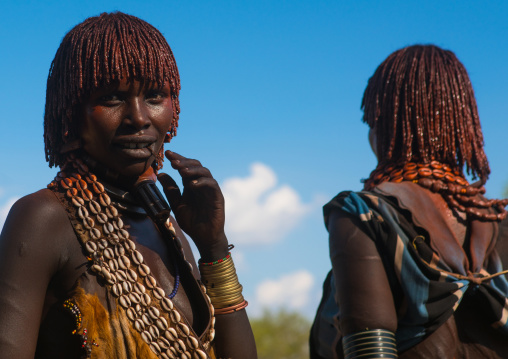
(124, 125)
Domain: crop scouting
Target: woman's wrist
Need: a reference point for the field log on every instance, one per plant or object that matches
(215, 249)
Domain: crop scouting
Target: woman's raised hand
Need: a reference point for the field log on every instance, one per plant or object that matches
(199, 209)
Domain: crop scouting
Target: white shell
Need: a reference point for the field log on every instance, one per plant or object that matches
(139, 325)
(124, 301)
(101, 218)
(131, 275)
(162, 323)
(146, 319)
(171, 334)
(120, 275)
(131, 313)
(139, 288)
(159, 293)
(113, 264)
(94, 207)
(104, 199)
(102, 243)
(144, 270)
(166, 356)
(147, 338)
(199, 354)
(167, 304)
(154, 312)
(96, 268)
(109, 253)
(192, 342)
(185, 355)
(174, 316)
(127, 287)
(212, 334)
(82, 212)
(184, 328)
(119, 250)
(129, 244)
(145, 299)
(150, 281)
(155, 347)
(95, 233)
(119, 223)
(124, 262)
(137, 257)
(122, 233)
(77, 201)
(117, 289)
(181, 347)
(108, 228)
(154, 331)
(163, 343)
(134, 297)
(91, 247)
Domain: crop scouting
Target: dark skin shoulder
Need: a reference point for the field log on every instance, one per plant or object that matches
(37, 249)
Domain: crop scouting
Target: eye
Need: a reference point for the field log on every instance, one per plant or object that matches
(155, 96)
(110, 100)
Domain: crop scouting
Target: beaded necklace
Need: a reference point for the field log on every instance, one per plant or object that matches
(113, 257)
(440, 178)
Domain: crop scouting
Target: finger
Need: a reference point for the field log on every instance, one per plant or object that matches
(170, 189)
(178, 161)
(190, 173)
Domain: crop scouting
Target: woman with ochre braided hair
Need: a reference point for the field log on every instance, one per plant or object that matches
(94, 266)
(417, 257)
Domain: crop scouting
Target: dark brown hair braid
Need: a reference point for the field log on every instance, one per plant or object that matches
(94, 54)
(421, 104)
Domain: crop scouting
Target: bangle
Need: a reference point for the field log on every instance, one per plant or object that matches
(232, 309)
(230, 247)
(221, 283)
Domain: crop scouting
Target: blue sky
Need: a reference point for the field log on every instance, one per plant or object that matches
(270, 102)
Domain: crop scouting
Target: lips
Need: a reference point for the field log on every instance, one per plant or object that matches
(136, 147)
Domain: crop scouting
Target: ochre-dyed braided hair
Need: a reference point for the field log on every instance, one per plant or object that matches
(94, 54)
(420, 104)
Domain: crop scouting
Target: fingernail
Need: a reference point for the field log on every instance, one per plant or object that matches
(194, 181)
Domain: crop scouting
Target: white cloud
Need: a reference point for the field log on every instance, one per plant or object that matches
(292, 291)
(257, 211)
(4, 210)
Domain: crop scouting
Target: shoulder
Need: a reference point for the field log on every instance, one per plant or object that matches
(38, 210)
(37, 223)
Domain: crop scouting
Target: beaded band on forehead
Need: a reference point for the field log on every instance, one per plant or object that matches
(421, 104)
(94, 54)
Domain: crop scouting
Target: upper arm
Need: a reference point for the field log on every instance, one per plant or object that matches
(363, 291)
(29, 256)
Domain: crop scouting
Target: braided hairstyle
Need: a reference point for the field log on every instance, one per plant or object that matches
(421, 108)
(421, 104)
(94, 54)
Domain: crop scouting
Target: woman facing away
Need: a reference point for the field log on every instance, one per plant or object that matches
(417, 257)
(94, 266)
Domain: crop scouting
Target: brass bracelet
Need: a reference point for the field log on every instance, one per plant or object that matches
(232, 309)
(221, 282)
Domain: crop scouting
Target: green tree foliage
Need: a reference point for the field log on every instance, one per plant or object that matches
(281, 335)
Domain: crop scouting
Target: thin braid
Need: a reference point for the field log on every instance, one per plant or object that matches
(94, 54)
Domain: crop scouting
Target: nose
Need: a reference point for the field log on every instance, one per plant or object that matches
(137, 114)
